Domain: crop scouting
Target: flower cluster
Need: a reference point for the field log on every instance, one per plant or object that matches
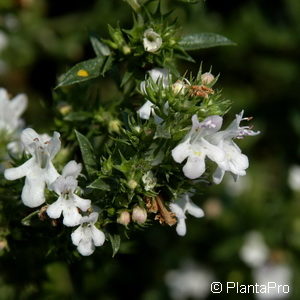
(206, 140)
(40, 173)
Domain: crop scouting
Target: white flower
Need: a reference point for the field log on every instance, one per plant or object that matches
(294, 178)
(87, 235)
(152, 40)
(68, 201)
(10, 111)
(39, 169)
(180, 207)
(278, 273)
(189, 282)
(156, 76)
(254, 251)
(235, 161)
(195, 147)
(207, 78)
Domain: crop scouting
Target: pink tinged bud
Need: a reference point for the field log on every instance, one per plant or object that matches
(139, 215)
(124, 218)
(207, 78)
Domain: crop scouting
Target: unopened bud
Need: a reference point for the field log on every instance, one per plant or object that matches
(207, 78)
(124, 218)
(139, 215)
(132, 184)
(179, 87)
(126, 50)
(65, 109)
(114, 126)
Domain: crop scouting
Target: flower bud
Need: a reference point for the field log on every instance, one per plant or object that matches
(152, 40)
(207, 78)
(124, 218)
(139, 215)
(179, 87)
(132, 184)
(126, 50)
(114, 126)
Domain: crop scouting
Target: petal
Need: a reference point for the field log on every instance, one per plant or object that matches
(145, 111)
(19, 172)
(177, 210)
(54, 144)
(213, 152)
(218, 175)
(28, 136)
(160, 74)
(18, 105)
(181, 151)
(98, 236)
(33, 190)
(55, 209)
(93, 217)
(181, 227)
(72, 168)
(194, 210)
(77, 236)
(195, 166)
(86, 247)
(50, 174)
(83, 204)
(71, 215)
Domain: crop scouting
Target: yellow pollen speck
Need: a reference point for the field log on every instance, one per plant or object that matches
(82, 73)
(198, 153)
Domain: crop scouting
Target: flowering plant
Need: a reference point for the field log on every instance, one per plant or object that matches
(114, 163)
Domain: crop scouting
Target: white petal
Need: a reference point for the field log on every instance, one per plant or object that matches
(19, 104)
(181, 151)
(181, 227)
(33, 190)
(194, 167)
(160, 74)
(213, 152)
(55, 209)
(77, 236)
(54, 144)
(194, 210)
(83, 204)
(71, 215)
(19, 172)
(28, 136)
(86, 247)
(177, 210)
(145, 111)
(50, 174)
(72, 168)
(218, 175)
(93, 217)
(98, 236)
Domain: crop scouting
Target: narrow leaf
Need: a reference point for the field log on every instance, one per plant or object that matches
(83, 71)
(87, 152)
(115, 243)
(204, 40)
(100, 185)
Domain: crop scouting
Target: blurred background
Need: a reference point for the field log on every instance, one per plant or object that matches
(251, 231)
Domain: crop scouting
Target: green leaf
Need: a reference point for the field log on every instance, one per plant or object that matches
(115, 243)
(27, 220)
(100, 185)
(100, 48)
(78, 116)
(204, 40)
(87, 152)
(83, 71)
